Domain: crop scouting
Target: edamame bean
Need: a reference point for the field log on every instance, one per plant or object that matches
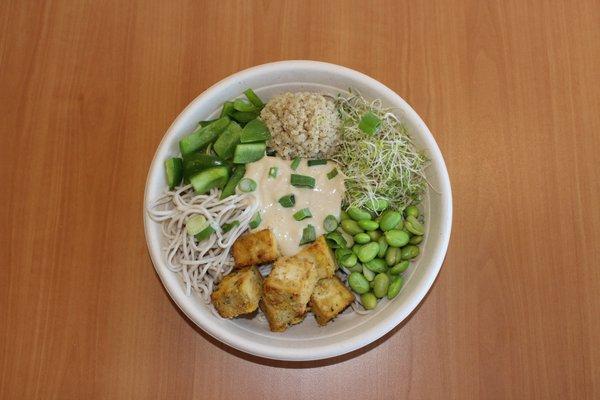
(356, 248)
(344, 215)
(413, 226)
(351, 227)
(400, 225)
(383, 246)
(374, 235)
(362, 238)
(356, 268)
(394, 287)
(389, 220)
(396, 238)
(349, 260)
(416, 239)
(379, 205)
(380, 285)
(392, 256)
(409, 252)
(368, 300)
(358, 283)
(412, 211)
(399, 268)
(368, 225)
(368, 274)
(368, 252)
(357, 214)
(377, 265)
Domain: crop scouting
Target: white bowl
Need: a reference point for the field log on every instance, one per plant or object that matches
(350, 331)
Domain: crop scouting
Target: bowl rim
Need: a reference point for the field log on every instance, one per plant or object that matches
(377, 330)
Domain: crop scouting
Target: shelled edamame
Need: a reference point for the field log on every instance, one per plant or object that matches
(382, 248)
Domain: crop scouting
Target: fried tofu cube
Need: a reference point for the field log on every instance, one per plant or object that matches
(329, 298)
(320, 254)
(238, 293)
(255, 248)
(287, 290)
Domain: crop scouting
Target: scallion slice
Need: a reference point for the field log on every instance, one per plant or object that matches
(229, 226)
(308, 235)
(195, 224)
(311, 163)
(295, 163)
(273, 172)
(369, 123)
(337, 239)
(302, 214)
(247, 185)
(303, 181)
(205, 233)
(255, 221)
(330, 223)
(332, 174)
(288, 201)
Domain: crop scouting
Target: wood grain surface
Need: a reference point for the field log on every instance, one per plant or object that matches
(510, 89)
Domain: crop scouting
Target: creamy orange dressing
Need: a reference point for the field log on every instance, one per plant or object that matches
(325, 199)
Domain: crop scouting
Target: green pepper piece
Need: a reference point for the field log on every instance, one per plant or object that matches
(202, 136)
(225, 144)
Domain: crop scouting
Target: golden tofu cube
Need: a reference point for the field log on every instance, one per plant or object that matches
(320, 254)
(329, 298)
(255, 248)
(287, 290)
(238, 293)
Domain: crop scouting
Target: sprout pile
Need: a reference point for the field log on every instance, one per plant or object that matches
(380, 161)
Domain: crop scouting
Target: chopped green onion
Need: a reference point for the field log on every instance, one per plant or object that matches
(302, 214)
(248, 152)
(174, 170)
(225, 144)
(273, 172)
(210, 178)
(255, 221)
(369, 123)
(254, 99)
(247, 185)
(311, 163)
(308, 235)
(227, 109)
(229, 226)
(243, 117)
(243, 105)
(332, 174)
(295, 163)
(232, 183)
(330, 223)
(337, 239)
(288, 201)
(205, 234)
(303, 181)
(195, 224)
(255, 131)
(202, 136)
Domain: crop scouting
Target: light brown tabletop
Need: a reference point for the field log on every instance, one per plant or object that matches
(510, 90)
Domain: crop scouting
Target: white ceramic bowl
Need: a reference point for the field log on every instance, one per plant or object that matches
(350, 331)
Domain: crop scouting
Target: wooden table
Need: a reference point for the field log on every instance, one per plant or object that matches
(510, 89)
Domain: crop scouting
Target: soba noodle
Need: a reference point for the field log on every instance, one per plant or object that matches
(200, 264)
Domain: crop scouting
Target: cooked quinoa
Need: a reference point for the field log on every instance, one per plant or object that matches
(302, 125)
